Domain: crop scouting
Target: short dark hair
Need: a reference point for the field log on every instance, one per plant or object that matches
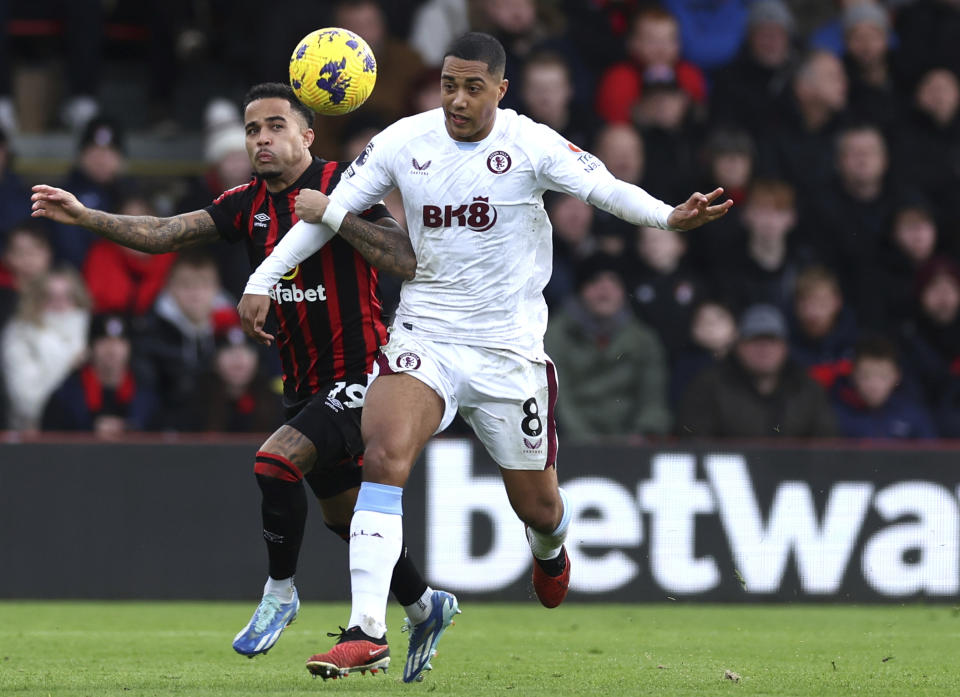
(28, 227)
(278, 90)
(194, 259)
(477, 46)
(878, 347)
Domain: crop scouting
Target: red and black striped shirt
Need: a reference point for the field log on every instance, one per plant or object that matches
(328, 313)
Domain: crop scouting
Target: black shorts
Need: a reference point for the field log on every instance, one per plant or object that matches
(331, 421)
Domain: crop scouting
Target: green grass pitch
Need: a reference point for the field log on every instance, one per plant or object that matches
(166, 648)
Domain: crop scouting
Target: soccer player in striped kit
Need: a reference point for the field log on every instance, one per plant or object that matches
(328, 331)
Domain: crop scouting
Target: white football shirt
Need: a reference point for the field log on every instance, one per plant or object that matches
(477, 223)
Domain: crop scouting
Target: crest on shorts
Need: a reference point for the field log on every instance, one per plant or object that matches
(499, 162)
(408, 361)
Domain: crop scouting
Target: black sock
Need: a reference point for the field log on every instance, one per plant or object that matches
(284, 510)
(555, 566)
(406, 584)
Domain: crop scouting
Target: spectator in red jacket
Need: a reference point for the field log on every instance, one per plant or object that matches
(123, 280)
(653, 44)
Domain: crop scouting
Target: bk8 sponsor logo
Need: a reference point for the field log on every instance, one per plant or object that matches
(478, 215)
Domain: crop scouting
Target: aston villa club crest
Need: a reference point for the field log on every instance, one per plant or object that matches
(408, 361)
(499, 162)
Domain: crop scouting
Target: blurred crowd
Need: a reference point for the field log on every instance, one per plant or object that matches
(827, 303)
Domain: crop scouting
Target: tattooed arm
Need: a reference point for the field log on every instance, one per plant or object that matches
(141, 232)
(385, 244)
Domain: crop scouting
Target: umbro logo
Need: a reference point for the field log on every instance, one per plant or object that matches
(419, 168)
(261, 220)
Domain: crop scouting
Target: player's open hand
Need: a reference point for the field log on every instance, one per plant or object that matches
(253, 313)
(696, 211)
(310, 205)
(56, 204)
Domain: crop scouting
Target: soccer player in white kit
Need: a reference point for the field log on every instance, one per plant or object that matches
(468, 333)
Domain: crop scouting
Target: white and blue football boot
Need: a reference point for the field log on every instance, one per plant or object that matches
(425, 635)
(266, 625)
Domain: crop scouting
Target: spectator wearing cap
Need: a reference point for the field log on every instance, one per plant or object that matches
(746, 91)
(235, 396)
(873, 402)
(757, 392)
(102, 396)
(124, 280)
(871, 65)
(829, 33)
(98, 181)
(176, 345)
(43, 343)
(652, 44)
(931, 339)
(613, 367)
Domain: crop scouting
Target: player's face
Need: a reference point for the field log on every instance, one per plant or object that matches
(277, 139)
(469, 96)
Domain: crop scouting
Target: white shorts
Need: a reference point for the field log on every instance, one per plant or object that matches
(507, 399)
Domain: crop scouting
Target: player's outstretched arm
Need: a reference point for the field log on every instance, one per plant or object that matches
(696, 210)
(145, 233)
(385, 244)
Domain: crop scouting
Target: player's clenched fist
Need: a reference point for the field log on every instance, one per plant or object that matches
(310, 205)
(56, 204)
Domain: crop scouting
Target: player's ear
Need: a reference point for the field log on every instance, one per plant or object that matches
(308, 137)
(502, 89)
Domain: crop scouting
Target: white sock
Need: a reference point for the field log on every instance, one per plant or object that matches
(281, 588)
(376, 540)
(547, 546)
(420, 610)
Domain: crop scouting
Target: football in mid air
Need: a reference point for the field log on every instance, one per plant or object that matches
(332, 71)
